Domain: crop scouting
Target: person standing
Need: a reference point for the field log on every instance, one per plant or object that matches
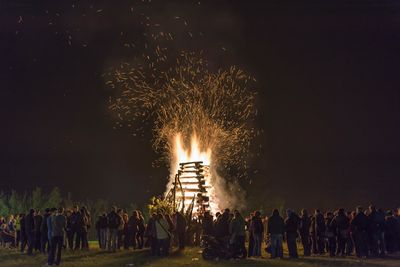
(320, 229)
(359, 227)
(18, 230)
(291, 229)
(151, 234)
(114, 220)
(30, 230)
(141, 229)
(163, 235)
(257, 229)
(330, 233)
(275, 230)
(180, 229)
(342, 231)
(237, 230)
(304, 230)
(121, 226)
(24, 237)
(45, 247)
(75, 217)
(59, 223)
(38, 219)
(133, 223)
(390, 232)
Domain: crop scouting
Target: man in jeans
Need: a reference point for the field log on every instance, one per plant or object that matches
(257, 229)
(114, 221)
(58, 222)
(276, 228)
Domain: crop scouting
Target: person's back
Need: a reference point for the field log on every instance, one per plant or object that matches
(59, 222)
(276, 225)
(237, 226)
(207, 224)
(292, 224)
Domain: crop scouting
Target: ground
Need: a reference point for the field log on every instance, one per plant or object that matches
(190, 257)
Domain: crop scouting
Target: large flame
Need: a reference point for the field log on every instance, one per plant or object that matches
(190, 153)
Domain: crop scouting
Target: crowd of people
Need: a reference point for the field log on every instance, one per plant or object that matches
(363, 233)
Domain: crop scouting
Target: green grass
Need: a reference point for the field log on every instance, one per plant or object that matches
(190, 257)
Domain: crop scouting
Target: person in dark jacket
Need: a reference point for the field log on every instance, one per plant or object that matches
(58, 224)
(207, 224)
(222, 226)
(313, 236)
(257, 230)
(69, 231)
(24, 237)
(376, 222)
(350, 240)
(342, 231)
(101, 227)
(237, 240)
(320, 231)
(133, 227)
(83, 228)
(114, 222)
(141, 229)
(275, 230)
(45, 245)
(291, 229)
(391, 234)
(359, 227)
(74, 219)
(38, 219)
(181, 225)
(151, 234)
(330, 233)
(30, 230)
(304, 230)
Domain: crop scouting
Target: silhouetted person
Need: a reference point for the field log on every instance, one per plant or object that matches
(359, 226)
(75, 218)
(291, 229)
(207, 224)
(330, 233)
(222, 225)
(342, 231)
(141, 230)
(180, 229)
(30, 230)
(163, 235)
(350, 240)
(237, 230)
(101, 226)
(257, 229)
(151, 234)
(38, 218)
(45, 244)
(304, 230)
(24, 237)
(320, 229)
(313, 236)
(69, 231)
(59, 222)
(391, 232)
(114, 221)
(133, 227)
(275, 230)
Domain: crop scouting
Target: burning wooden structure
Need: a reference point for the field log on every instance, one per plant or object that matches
(189, 192)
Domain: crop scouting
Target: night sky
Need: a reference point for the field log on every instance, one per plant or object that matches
(328, 96)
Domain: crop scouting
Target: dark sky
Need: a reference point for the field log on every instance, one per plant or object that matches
(327, 76)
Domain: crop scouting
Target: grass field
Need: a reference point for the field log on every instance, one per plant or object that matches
(190, 257)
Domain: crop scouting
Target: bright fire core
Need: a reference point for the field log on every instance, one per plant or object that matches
(193, 153)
